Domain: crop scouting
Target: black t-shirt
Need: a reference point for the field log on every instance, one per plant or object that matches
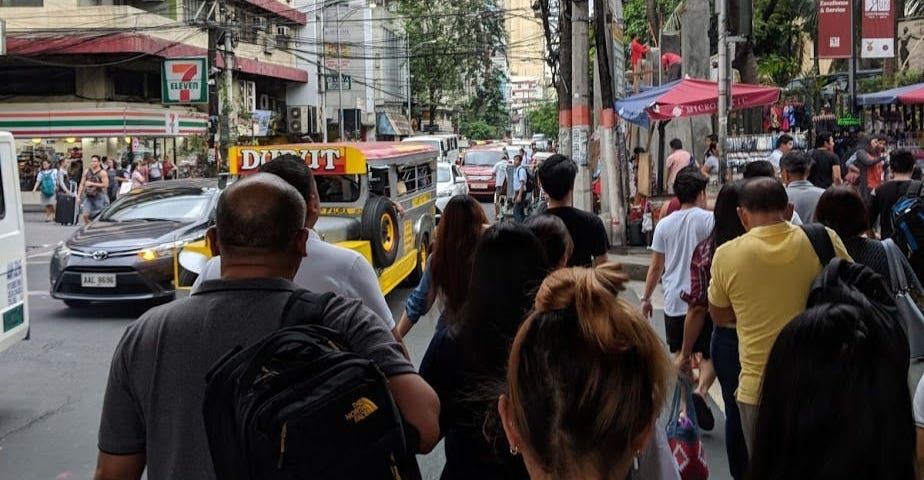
(587, 233)
(821, 174)
(883, 199)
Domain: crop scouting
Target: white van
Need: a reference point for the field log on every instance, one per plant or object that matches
(447, 144)
(14, 307)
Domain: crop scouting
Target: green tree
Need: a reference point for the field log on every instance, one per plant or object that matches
(544, 120)
(478, 130)
(488, 105)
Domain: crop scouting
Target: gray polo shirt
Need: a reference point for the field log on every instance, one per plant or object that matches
(153, 401)
(804, 197)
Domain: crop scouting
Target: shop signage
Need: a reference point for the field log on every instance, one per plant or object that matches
(185, 80)
(911, 44)
(878, 39)
(849, 121)
(331, 83)
(323, 160)
(835, 35)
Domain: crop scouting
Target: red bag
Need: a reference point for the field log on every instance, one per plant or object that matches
(683, 436)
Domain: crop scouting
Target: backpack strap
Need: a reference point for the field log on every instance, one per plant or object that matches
(316, 304)
(821, 242)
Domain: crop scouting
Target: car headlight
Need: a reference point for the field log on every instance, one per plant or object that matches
(62, 251)
(444, 193)
(163, 250)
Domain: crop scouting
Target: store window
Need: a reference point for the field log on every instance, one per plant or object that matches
(37, 80)
(21, 3)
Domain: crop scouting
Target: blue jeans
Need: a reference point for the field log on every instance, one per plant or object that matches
(519, 211)
(727, 368)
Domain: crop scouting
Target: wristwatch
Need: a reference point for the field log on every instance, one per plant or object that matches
(646, 300)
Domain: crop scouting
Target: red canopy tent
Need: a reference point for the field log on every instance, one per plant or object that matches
(913, 97)
(692, 97)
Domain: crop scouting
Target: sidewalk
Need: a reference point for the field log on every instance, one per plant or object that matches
(634, 261)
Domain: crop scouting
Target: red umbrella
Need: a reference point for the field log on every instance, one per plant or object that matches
(913, 97)
(690, 98)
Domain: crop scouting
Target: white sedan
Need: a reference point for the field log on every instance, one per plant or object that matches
(450, 182)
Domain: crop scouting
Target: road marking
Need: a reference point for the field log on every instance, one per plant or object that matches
(38, 292)
(40, 254)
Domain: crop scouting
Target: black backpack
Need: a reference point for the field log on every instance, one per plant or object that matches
(907, 218)
(530, 180)
(843, 282)
(300, 405)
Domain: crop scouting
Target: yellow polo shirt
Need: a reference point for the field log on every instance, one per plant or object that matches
(765, 276)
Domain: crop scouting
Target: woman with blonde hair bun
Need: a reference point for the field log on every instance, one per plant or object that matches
(587, 378)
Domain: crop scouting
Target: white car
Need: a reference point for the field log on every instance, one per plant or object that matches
(450, 182)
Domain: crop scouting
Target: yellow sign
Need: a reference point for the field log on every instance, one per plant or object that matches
(341, 211)
(362, 408)
(421, 199)
(323, 159)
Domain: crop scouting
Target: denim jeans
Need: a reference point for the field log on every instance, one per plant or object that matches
(519, 211)
(727, 368)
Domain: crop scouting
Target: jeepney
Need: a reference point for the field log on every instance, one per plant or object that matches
(377, 198)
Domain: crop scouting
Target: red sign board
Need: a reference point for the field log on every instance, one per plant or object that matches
(835, 35)
(878, 39)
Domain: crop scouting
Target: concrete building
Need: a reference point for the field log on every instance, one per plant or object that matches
(525, 92)
(83, 77)
(525, 40)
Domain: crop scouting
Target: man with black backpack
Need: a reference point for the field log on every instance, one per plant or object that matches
(153, 412)
(887, 195)
(522, 187)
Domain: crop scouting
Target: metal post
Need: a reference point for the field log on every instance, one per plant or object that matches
(339, 75)
(723, 88)
(580, 105)
(322, 80)
(407, 62)
(564, 79)
(229, 86)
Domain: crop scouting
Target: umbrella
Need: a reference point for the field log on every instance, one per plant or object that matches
(689, 98)
(910, 94)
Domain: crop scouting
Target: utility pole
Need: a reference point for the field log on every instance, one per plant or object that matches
(723, 82)
(564, 78)
(214, 103)
(611, 173)
(580, 103)
(340, 77)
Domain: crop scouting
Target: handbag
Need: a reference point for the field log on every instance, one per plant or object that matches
(908, 312)
(683, 436)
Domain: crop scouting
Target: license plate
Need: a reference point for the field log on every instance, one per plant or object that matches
(480, 186)
(98, 280)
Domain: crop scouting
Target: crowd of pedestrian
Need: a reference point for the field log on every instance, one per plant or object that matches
(539, 367)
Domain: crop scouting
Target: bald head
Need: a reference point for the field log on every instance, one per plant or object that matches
(260, 214)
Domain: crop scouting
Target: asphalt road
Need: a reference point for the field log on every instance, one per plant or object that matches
(52, 385)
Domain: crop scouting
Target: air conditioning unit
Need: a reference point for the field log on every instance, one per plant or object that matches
(298, 120)
(249, 95)
(269, 44)
(261, 24)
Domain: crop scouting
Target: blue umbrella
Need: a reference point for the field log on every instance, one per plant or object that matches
(633, 109)
(891, 96)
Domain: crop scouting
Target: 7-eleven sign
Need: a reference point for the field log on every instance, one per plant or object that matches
(184, 80)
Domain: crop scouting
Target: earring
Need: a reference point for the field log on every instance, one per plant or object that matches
(514, 450)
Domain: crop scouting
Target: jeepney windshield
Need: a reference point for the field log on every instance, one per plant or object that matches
(338, 188)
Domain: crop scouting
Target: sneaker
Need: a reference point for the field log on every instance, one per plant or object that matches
(703, 413)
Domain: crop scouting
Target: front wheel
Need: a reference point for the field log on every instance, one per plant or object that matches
(380, 227)
(423, 253)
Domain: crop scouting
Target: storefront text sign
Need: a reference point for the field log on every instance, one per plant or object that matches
(835, 35)
(878, 39)
(185, 80)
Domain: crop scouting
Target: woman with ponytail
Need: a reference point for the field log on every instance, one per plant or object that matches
(466, 362)
(587, 378)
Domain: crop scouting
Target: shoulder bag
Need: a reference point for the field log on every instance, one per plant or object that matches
(908, 312)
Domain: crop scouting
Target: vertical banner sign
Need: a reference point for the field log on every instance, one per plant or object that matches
(835, 32)
(185, 80)
(878, 39)
(2, 37)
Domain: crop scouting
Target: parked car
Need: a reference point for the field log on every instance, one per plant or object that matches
(450, 182)
(478, 167)
(127, 252)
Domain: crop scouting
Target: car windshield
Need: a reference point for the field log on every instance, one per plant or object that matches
(162, 204)
(338, 188)
(444, 175)
(483, 158)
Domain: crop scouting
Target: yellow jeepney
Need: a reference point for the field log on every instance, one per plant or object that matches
(377, 198)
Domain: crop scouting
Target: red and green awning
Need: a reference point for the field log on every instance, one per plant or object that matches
(103, 122)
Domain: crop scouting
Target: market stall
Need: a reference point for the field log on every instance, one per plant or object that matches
(679, 99)
(897, 113)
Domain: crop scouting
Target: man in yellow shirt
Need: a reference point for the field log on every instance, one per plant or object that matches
(760, 281)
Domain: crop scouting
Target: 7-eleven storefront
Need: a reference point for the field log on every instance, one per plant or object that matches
(76, 132)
